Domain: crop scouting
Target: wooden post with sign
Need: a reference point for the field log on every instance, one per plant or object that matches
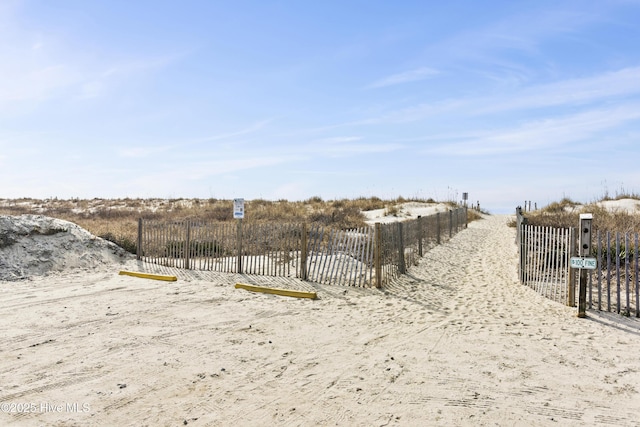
(571, 292)
(238, 213)
(585, 251)
(239, 247)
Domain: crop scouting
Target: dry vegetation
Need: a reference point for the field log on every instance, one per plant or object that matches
(117, 219)
(566, 213)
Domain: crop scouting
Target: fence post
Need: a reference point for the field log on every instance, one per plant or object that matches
(456, 220)
(139, 243)
(466, 217)
(519, 242)
(239, 246)
(522, 244)
(303, 252)
(401, 265)
(420, 235)
(450, 223)
(377, 259)
(438, 228)
(571, 300)
(187, 248)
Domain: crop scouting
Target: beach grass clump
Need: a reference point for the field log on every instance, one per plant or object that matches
(566, 214)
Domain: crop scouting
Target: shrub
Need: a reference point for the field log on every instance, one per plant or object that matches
(124, 242)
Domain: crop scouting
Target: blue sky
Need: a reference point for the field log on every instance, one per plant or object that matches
(506, 100)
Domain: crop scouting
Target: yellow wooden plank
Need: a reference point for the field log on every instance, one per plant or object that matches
(149, 276)
(276, 291)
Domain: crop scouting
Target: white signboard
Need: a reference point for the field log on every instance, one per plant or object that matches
(586, 263)
(238, 208)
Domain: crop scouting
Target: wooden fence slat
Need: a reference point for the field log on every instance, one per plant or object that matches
(608, 271)
(345, 256)
(534, 258)
(599, 267)
(338, 261)
(637, 280)
(555, 264)
(355, 254)
(366, 250)
(311, 251)
(618, 272)
(319, 237)
(348, 256)
(627, 254)
(324, 253)
(537, 259)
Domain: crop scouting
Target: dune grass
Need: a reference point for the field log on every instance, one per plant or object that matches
(566, 213)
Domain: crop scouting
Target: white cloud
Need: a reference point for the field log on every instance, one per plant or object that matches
(22, 81)
(571, 92)
(141, 152)
(343, 149)
(538, 134)
(405, 77)
(339, 139)
(518, 32)
(624, 82)
(33, 71)
(248, 130)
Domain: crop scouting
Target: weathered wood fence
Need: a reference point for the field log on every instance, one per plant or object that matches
(614, 286)
(367, 256)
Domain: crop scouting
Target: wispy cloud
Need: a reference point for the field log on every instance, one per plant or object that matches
(624, 82)
(537, 134)
(404, 77)
(342, 150)
(248, 130)
(148, 151)
(37, 66)
(180, 175)
(522, 32)
(141, 152)
(21, 81)
(94, 84)
(339, 139)
(570, 92)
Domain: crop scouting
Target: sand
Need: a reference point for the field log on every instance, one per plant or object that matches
(404, 211)
(36, 245)
(456, 342)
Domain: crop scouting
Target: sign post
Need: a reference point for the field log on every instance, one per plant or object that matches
(584, 250)
(238, 213)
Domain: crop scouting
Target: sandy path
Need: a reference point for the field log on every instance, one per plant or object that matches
(458, 342)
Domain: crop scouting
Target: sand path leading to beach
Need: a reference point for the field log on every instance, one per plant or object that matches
(458, 341)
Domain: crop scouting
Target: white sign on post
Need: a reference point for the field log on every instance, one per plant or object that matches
(238, 208)
(586, 263)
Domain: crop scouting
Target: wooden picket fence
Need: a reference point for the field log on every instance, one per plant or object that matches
(544, 261)
(614, 286)
(366, 256)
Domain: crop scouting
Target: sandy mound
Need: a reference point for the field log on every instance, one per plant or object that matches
(404, 211)
(35, 245)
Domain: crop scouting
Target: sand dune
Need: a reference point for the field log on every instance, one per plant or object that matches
(458, 341)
